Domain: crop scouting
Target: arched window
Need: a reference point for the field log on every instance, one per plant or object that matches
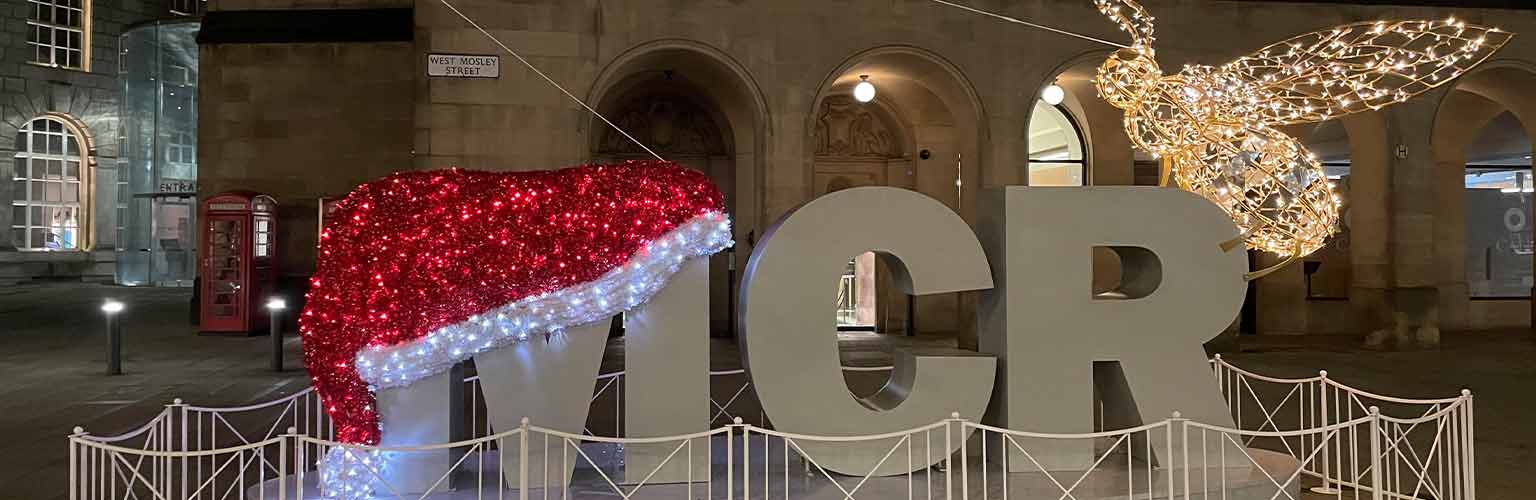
(1055, 148)
(49, 187)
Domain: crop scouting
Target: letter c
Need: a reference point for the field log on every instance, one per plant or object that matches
(788, 340)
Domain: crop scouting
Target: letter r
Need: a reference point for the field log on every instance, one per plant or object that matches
(1043, 322)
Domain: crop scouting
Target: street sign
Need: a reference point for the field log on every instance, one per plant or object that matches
(463, 66)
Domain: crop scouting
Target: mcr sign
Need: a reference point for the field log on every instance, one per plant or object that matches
(1047, 342)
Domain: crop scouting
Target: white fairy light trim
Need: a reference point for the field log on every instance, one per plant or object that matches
(349, 473)
(619, 290)
(346, 474)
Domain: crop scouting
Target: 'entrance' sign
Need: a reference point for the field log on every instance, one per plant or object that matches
(463, 66)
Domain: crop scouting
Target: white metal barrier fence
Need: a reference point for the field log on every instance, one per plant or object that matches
(1335, 434)
(1427, 443)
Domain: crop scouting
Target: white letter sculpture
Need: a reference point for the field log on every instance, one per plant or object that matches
(666, 387)
(790, 349)
(1178, 289)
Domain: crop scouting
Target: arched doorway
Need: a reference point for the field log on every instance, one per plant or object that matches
(1483, 180)
(692, 105)
(921, 131)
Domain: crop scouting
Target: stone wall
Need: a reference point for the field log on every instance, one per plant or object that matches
(302, 121)
(91, 98)
(769, 64)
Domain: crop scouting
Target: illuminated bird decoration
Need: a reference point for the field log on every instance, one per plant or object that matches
(1214, 127)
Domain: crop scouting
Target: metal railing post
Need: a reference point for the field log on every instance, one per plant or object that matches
(949, 487)
(965, 473)
(746, 464)
(1322, 395)
(74, 463)
(1168, 432)
(282, 463)
(522, 462)
(730, 459)
(171, 444)
(1184, 449)
(1468, 449)
(182, 422)
(1377, 464)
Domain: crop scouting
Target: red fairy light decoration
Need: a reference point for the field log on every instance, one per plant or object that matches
(420, 270)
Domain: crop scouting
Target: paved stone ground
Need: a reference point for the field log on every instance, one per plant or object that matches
(52, 347)
(52, 364)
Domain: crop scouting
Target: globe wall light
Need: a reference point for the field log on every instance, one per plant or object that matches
(1053, 94)
(864, 91)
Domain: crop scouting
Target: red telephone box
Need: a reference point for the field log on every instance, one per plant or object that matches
(237, 269)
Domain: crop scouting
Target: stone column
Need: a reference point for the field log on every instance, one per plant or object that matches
(1370, 190)
(1414, 296)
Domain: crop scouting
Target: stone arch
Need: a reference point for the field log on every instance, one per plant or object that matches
(82, 112)
(928, 107)
(917, 85)
(697, 105)
(672, 116)
(1462, 115)
(741, 101)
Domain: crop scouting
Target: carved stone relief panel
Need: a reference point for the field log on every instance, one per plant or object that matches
(668, 124)
(847, 129)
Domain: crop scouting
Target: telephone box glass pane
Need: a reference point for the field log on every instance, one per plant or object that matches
(224, 265)
(263, 233)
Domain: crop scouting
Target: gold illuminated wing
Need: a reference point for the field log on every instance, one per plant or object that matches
(1131, 17)
(1358, 67)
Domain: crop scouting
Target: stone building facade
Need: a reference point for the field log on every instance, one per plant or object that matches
(59, 86)
(756, 93)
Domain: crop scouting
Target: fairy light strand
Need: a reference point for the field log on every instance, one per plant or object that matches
(1216, 125)
(420, 270)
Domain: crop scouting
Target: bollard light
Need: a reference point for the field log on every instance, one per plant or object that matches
(275, 307)
(110, 309)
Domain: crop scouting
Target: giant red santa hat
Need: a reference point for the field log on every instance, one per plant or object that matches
(421, 270)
